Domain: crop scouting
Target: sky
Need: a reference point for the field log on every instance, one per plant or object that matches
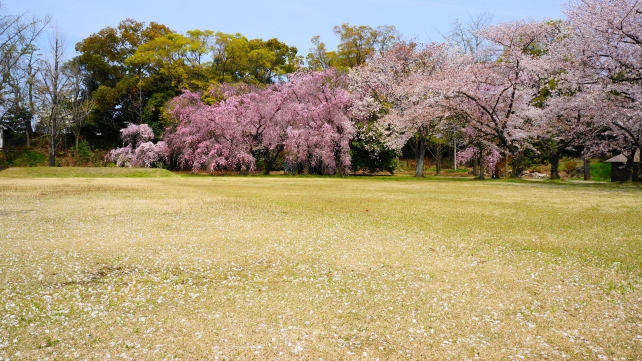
(293, 22)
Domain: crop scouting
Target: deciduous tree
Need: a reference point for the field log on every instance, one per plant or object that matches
(604, 40)
(307, 119)
(117, 88)
(52, 87)
(394, 87)
(138, 150)
(494, 97)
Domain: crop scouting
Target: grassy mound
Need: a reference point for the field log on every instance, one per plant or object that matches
(84, 172)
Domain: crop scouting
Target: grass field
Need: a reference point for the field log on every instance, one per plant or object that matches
(238, 268)
(84, 172)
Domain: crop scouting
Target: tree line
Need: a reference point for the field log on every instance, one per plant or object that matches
(495, 92)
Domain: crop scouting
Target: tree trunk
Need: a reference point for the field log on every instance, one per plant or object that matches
(244, 169)
(554, 158)
(481, 163)
(419, 168)
(270, 161)
(438, 157)
(475, 167)
(55, 77)
(140, 98)
(32, 106)
(52, 151)
(340, 171)
(587, 168)
(27, 132)
(506, 168)
(518, 165)
(629, 166)
(420, 154)
(52, 135)
(455, 154)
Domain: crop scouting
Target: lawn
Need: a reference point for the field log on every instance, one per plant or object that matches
(355, 268)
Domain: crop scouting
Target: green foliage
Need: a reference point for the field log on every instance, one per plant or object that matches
(154, 111)
(600, 171)
(17, 118)
(133, 70)
(27, 158)
(360, 43)
(357, 45)
(320, 58)
(235, 59)
(84, 151)
(545, 92)
(116, 86)
(369, 152)
(534, 158)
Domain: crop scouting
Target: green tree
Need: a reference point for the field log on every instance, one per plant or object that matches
(358, 45)
(319, 57)
(369, 151)
(235, 58)
(172, 58)
(229, 57)
(117, 88)
(270, 59)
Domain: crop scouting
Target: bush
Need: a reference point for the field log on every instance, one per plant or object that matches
(600, 171)
(28, 158)
(570, 166)
(369, 152)
(84, 152)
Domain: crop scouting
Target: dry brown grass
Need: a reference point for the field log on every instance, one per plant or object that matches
(313, 268)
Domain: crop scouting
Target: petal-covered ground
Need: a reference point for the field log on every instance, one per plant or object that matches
(202, 268)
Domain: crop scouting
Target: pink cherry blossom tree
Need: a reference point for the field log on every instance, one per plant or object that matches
(394, 88)
(320, 113)
(306, 119)
(570, 121)
(488, 157)
(211, 137)
(494, 98)
(138, 150)
(604, 40)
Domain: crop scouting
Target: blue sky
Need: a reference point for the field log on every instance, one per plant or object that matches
(293, 22)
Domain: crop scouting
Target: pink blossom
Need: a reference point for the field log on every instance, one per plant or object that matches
(307, 119)
(138, 150)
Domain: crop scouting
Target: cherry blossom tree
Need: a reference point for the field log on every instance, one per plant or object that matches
(604, 40)
(494, 98)
(210, 136)
(319, 109)
(307, 119)
(394, 88)
(569, 121)
(138, 150)
(488, 157)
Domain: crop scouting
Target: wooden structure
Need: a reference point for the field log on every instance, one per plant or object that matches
(618, 171)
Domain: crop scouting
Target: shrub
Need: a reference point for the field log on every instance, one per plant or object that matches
(28, 158)
(84, 151)
(600, 171)
(570, 166)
